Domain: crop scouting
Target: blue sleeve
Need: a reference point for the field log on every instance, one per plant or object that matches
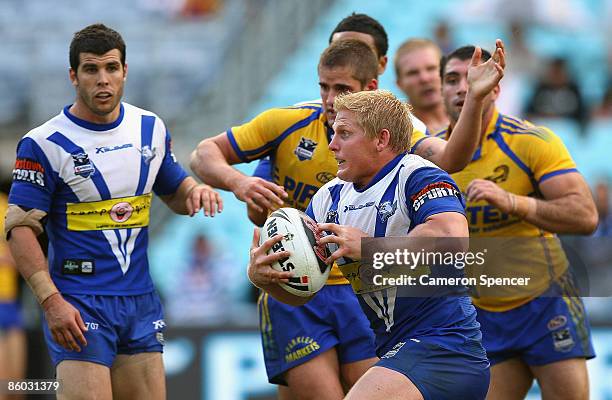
(432, 191)
(170, 174)
(264, 169)
(34, 180)
(310, 212)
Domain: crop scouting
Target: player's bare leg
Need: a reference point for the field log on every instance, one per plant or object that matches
(561, 380)
(13, 356)
(381, 383)
(351, 372)
(324, 370)
(138, 377)
(510, 380)
(284, 393)
(84, 380)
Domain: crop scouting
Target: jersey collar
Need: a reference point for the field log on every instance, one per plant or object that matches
(92, 126)
(382, 173)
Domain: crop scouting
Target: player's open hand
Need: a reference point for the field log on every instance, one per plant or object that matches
(206, 198)
(483, 77)
(260, 194)
(65, 323)
(482, 189)
(259, 270)
(347, 238)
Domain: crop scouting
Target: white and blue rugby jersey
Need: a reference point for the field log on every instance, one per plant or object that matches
(95, 181)
(401, 196)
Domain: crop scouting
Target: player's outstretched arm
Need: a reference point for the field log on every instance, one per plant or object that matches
(262, 275)
(212, 162)
(455, 154)
(65, 322)
(567, 207)
(191, 197)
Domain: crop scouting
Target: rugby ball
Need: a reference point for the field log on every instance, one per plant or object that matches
(307, 259)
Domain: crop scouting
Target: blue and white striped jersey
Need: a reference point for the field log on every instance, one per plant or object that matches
(95, 181)
(401, 196)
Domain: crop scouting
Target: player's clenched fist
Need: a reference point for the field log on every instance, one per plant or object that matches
(259, 193)
(482, 189)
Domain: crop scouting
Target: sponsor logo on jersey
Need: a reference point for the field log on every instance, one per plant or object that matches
(352, 207)
(557, 322)
(78, 267)
(305, 149)
(500, 174)
(82, 166)
(148, 154)
(331, 217)
(159, 324)
(299, 347)
(386, 210)
(433, 191)
(563, 340)
(121, 211)
(394, 350)
(106, 149)
(30, 171)
(325, 177)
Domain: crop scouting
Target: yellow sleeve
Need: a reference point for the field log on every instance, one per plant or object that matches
(416, 139)
(260, 136)
(547, 156)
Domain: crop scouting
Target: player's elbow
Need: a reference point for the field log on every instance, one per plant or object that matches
(590, 223)
(198, 156)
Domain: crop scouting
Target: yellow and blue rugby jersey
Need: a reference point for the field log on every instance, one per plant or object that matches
(517, 156)
(296, 139)
(8, 273)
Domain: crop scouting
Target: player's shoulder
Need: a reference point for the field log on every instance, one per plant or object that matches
(43, 131)
(417, 124)
(328, 190)
(520, 131)
(440, 133)
(130, 109)
(413, 163)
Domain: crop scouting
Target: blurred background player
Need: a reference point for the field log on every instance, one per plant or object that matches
(425, 343)
(86, 177)
(522, 182)
(355, 26)
(13, 352)
(297, 140)
(417, 71)
(368, 30)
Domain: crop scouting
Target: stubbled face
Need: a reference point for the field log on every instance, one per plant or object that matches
(419, 77)
(367, 39)
(455, 86)
(99, 82)
(353, 150)
(332, 82)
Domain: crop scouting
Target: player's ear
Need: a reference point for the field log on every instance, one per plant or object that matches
(384, 137)
(73, 77)
(495, 92)
(372, 85)
(382, 64)
(125, 71)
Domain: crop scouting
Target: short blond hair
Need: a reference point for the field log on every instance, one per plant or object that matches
(377, 110)
(412, 45)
